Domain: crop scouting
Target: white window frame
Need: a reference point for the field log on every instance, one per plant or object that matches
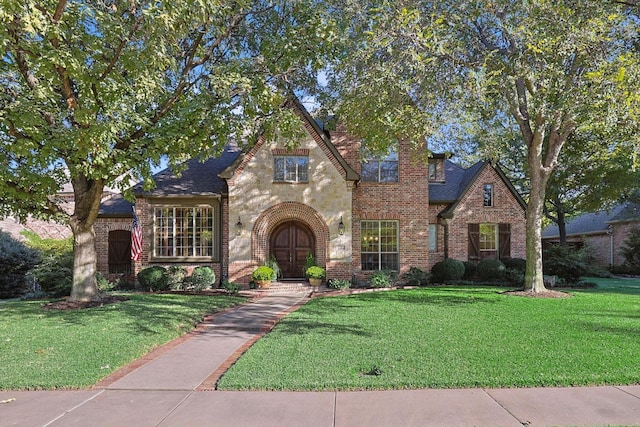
(298, 173)
(483, 240)
(375, 244)
(488, 195)
(390, 158)
(172, 241)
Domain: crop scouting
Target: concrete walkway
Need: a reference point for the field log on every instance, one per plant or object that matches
(174, 386)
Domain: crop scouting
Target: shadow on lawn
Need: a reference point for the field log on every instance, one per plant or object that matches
(145, 314)
(432, 296)
(304, 326)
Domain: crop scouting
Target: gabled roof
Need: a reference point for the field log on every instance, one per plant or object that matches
(457, 183)
(595, 222)
(316, 133)
(198, 179)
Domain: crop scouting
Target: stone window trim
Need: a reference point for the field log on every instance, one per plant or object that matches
(433, 237)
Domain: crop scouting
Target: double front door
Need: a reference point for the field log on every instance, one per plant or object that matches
(290, 244)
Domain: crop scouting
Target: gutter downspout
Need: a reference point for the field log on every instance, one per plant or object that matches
(611, 257)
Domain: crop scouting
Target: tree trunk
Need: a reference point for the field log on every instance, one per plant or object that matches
(85, 287)
(87, 196)
(562, 225)
(539, 175)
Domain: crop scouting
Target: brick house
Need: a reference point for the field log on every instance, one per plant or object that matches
(603, 232)
(353, 212)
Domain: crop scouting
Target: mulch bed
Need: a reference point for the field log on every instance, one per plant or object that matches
(544, 294)
(79, 305)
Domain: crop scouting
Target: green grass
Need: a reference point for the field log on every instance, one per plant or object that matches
(450, 337)
(42, 349)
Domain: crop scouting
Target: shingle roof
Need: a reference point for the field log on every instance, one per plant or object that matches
(596, 222)
(457, 179)
(116, 206)
(198, 179)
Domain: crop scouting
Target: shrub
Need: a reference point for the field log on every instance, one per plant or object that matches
(104, 284)
(514, 276)
(231, 287)
(262, 273)
(416, 277)
(566, 263)
(203, 277)
(447, 270)
(153, 278)
(515, 264)
(382, 279)
(16, 259)
(315, 272)
(54, 273)
(491, 269)
(631, 248)
(175, 277)
(470, 270)
(273, 264)
(338, 284)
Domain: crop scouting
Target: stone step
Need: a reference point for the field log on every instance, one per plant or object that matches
(277, 288)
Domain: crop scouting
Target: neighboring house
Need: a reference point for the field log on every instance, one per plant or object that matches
(603, 232)
(354, 213)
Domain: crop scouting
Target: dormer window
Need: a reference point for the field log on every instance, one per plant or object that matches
(380, 168)
(487, 195)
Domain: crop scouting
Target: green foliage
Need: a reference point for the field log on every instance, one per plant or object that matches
(338, 284)
(231, 287)
(16, 259)
(567, 263)
(310, 261)
(631, 248)
(470, 270)
(416, 277)
(54, 273)
(514, 276)
(515, 263)
(272, 263)
(153, 278)
(491, 269)
(175, 277)
(382, 279)
(262, 273)
(127, 84)
(315, 272)
(447, 270)
(202, 277)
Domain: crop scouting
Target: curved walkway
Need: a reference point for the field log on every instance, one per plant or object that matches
(174, 386)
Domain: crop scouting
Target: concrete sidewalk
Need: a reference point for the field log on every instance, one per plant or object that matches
(174, 387)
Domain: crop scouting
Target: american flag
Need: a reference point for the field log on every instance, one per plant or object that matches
(136, 238)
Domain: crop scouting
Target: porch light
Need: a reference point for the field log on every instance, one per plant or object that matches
(341, 227)
(238, 227)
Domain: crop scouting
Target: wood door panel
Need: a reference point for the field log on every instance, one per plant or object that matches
(290, 244)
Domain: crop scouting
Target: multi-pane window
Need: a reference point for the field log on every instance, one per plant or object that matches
(487, 194)
(488, 237)
(291, 168)
(433, 237)
(183, 232)
(380, 169)
(379, 245)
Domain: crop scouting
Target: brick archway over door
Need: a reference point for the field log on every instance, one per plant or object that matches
(284, 212)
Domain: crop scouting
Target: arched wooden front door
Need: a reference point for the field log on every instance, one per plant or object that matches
(290, 243)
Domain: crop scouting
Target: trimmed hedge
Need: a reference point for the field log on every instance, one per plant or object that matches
(491, 269)
(203, 277)
(153, 278)
(447, 270)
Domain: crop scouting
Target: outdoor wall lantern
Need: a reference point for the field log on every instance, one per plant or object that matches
(341, 227)
(238, 227)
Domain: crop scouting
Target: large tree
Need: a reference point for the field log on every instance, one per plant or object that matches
(419, 68)
(97, 92)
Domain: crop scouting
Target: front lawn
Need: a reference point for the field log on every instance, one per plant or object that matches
(44, 349)
(449, 337)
